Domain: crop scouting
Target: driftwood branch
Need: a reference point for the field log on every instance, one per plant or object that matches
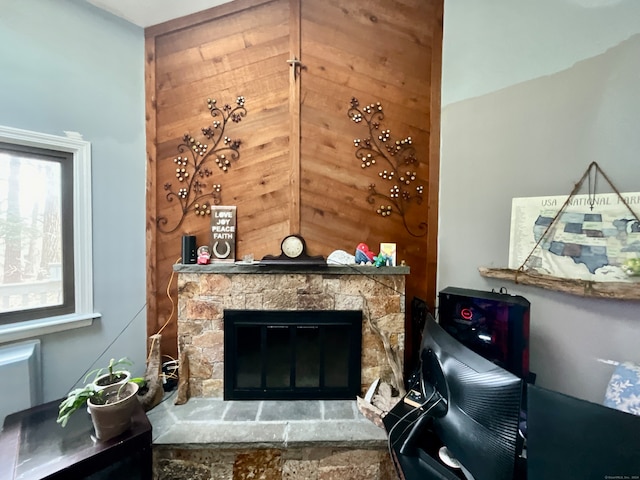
(582, 288)
(152, 376)
(395, 362)
(183, 379)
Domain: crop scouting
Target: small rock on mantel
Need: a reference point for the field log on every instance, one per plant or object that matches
(340, 257)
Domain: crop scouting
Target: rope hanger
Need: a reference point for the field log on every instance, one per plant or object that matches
(591, 174)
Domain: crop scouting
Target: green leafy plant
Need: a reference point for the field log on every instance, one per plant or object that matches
(77, 398)
(111, 369)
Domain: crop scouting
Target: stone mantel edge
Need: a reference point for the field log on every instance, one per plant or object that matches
(238, 267)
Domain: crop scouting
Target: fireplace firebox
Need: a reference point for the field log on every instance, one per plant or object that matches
(292, 355)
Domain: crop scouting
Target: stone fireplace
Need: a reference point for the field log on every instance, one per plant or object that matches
(205, 292)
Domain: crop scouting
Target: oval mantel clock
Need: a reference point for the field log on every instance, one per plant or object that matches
(293, 251)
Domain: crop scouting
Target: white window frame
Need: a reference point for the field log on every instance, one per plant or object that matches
(82, 234)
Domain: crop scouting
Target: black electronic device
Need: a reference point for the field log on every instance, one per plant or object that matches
(494, 325)
(470, 405)
(572, 438)
(189, 253)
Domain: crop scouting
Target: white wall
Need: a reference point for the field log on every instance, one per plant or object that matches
(67, 66)
(533, 91)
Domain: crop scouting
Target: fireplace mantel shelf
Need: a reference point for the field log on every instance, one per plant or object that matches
(253, 268)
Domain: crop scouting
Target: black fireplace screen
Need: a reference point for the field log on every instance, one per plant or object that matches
(288, 355)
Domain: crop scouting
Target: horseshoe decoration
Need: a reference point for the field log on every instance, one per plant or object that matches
(226, 252)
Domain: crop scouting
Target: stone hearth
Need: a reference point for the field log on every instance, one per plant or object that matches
(212, 439)
(205, 291)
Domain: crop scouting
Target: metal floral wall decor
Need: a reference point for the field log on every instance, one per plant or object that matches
(396, 163)
(199, 161)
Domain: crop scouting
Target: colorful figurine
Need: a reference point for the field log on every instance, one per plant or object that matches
(363, 254)
(382, 260)
(203, 255)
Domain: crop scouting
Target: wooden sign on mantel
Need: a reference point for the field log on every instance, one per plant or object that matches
(223, 233)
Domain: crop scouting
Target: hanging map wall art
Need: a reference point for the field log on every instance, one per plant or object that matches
(595, 238)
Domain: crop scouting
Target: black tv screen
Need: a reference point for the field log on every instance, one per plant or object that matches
(494, 325)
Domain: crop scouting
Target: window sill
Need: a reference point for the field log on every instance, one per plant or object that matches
(44, 326)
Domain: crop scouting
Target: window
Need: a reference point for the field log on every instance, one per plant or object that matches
(45, 230)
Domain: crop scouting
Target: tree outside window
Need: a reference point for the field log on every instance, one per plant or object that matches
(46, 248)
(36, 232)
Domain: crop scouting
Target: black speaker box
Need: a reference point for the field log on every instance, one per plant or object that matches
(189, 255)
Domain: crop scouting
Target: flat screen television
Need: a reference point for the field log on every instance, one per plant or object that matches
(494, 325)
(572, 438)
(472, 407)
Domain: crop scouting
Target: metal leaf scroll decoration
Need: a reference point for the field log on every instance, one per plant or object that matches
(396, 163)
(199, 161)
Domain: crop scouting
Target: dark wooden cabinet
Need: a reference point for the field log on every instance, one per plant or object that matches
(34, 446)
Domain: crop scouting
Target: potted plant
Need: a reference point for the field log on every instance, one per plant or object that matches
(110, 407)
(112, 374)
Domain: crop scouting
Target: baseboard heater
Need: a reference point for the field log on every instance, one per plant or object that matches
(20, 371)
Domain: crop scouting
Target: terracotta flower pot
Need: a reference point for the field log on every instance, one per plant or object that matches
(114, 417)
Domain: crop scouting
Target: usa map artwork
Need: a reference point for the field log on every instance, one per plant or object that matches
(593, 238)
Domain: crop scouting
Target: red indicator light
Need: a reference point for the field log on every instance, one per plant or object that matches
(466, 313)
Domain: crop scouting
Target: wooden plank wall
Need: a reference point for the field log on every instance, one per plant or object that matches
(297, 171)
